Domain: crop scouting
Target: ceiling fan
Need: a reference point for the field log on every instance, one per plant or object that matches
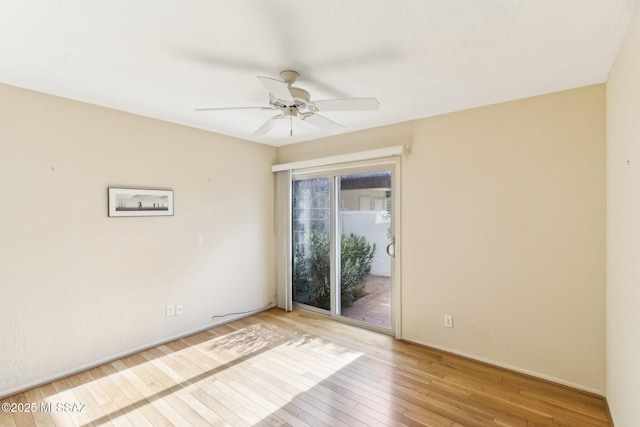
(296, 102)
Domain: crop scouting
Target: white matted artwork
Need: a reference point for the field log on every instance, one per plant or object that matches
(140, 202)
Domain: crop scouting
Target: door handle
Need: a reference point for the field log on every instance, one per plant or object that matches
(391, 247)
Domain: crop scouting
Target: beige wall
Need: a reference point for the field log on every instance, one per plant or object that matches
(504, 228)
(78, 287)
(623, 232)
(503, 212)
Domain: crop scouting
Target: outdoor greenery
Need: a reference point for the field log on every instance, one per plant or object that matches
(311, 273)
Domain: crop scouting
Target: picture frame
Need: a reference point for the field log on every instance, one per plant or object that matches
(140, 202)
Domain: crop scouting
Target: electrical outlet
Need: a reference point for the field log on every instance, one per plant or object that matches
(171, 310)
(179, 310)
(448, 321)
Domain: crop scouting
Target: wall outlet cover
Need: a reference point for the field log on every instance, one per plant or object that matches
(448, 321)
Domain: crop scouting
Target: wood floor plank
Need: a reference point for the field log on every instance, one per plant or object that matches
(50, 396)
(41, 418)
(20, 417)
(114, 402)
(164, 385)
(153, 393)
(302, 369)
(6, 417)
(128, 399)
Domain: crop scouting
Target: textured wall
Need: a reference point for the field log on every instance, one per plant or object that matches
(623, 232)
(77, 287)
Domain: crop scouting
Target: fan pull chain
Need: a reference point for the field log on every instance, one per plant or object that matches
(290, 125)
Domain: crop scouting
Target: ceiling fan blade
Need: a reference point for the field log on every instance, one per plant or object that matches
(233, 108)
(277, 88)
(349, 104)
(324, 123)
(268, 125)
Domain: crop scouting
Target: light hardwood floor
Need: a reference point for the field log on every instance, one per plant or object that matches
(278, 368)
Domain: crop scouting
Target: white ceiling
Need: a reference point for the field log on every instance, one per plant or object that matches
(419, 58)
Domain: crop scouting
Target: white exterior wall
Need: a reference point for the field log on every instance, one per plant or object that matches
(374, 227)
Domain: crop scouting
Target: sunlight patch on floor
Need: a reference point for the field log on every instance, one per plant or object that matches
(217, 378)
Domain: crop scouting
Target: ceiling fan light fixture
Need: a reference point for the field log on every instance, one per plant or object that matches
(290, 112)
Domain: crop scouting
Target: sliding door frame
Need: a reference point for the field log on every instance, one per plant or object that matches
(332, 171)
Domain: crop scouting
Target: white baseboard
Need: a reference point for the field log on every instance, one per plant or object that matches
(49, 379)
(512, 368)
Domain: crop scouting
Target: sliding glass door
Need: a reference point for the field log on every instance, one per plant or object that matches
(343, 243)
(364, 229)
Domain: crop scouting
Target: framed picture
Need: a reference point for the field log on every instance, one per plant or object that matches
(140, 202)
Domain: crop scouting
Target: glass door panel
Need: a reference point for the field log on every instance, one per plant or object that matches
(342, 243)
(311, 228)
(365, 238)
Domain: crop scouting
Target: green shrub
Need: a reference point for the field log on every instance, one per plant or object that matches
(301, 279)
(312, 272)
(355, 264)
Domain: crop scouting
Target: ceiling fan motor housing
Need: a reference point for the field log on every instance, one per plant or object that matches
(301, 99)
